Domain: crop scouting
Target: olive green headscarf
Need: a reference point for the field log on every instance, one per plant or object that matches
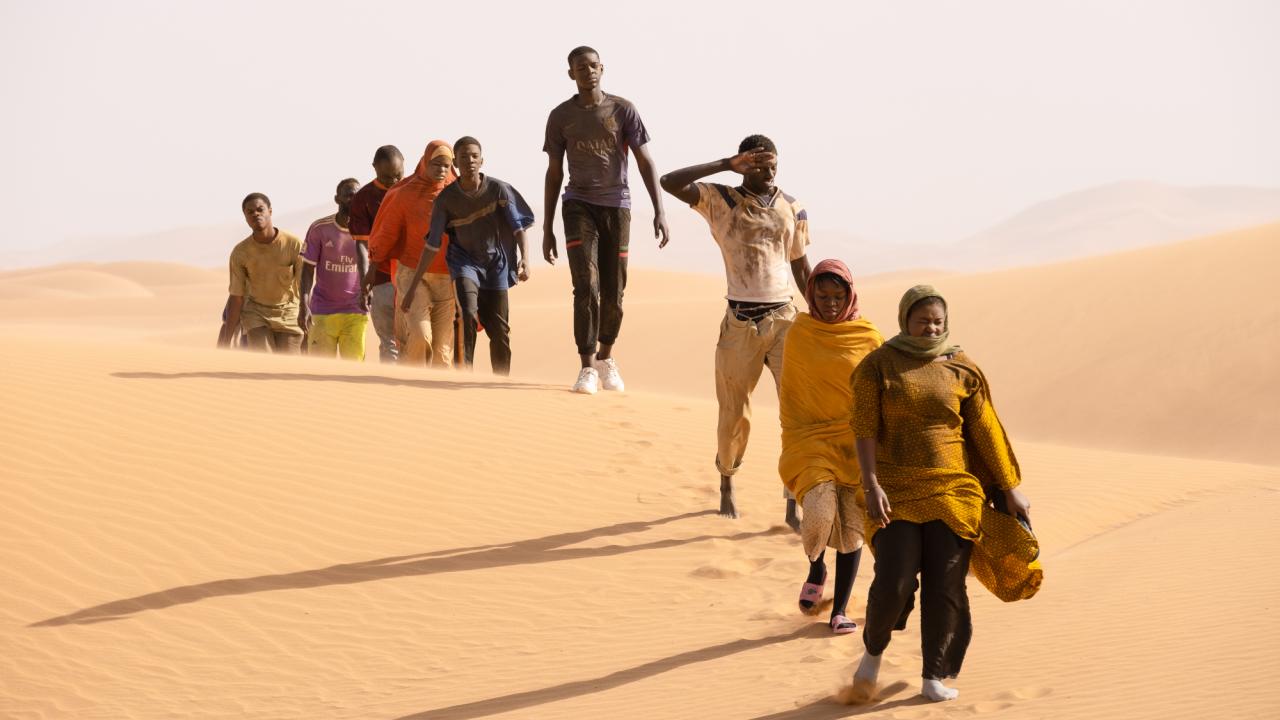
(921, 347)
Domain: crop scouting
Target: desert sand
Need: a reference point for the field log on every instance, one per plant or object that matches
(211, 534)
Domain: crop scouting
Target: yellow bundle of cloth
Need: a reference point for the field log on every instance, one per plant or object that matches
(1006, 557)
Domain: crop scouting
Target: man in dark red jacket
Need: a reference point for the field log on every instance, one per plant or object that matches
(388, 163)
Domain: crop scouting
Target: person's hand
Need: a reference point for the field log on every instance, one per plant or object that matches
(1017, 503)
(549, 252)
(742, 163)
(878, 505)
(366, 283)
(660, 230)
(304, 319)
(407, 301)
(522, 270)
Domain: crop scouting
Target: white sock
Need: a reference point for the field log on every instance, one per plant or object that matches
(869, 669)
(935, 691)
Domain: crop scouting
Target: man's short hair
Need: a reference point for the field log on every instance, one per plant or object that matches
(348, 181)
(464, 141)
(581, 50)
(386, 152)
(752, 142)
(254, 196)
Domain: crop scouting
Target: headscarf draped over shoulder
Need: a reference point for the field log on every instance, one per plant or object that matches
(404, 219)
(924, 348)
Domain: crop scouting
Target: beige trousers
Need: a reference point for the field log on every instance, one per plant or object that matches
(743, 351)
(832, 518)
(428, 325)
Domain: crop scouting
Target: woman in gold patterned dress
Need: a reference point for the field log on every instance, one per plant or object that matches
(925, 425)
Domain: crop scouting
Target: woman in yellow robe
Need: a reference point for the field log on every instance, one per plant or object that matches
(925, 424)
(818, 462)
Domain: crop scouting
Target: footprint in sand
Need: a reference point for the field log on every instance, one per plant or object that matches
(1026, 693)
(990, 706)
(731, 569)
(895, 661)
(848, 695)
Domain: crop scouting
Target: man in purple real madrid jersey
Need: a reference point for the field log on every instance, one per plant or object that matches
(333, 301)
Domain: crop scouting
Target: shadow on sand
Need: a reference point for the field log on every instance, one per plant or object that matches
(576, 688)
(829, 709)
(551, 548)
(421, 383)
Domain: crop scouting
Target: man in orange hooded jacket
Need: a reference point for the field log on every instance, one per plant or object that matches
(399, 233)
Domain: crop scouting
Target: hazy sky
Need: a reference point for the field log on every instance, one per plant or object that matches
(900, 121)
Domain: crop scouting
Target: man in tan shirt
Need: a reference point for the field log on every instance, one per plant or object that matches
(763, 234)
(265, 270)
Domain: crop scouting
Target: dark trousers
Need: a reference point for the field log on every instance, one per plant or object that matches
(597, 239)
(268, 340)
(941, 559)
(490, 308)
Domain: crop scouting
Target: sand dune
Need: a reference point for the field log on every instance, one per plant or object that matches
(195, 533)
(198, 541)
(1117, 216)
(1163, 350)
(69, 282)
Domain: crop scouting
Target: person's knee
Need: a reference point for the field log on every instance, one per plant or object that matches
(901, 588)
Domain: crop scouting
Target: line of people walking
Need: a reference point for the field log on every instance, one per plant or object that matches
(431, 257)
(893, 444)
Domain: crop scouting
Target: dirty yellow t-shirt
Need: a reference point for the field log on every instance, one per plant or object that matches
(758, 237)
(267, 273)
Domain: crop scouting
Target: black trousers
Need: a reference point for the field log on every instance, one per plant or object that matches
(491, 308)
(596, 239)
(931, 550)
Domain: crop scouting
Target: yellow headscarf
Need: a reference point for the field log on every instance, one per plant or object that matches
(922, 347)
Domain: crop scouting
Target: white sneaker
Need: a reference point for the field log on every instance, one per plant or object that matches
(609, 377)
(588, 382)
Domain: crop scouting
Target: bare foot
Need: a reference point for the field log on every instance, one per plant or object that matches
(793, 520)
(727, 507)
(935, 691)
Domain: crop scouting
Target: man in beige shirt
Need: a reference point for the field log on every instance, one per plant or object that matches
(763, 234)
(265, 270)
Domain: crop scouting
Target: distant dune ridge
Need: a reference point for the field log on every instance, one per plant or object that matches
(1119, 216)
(1097, 220)
(201, 533)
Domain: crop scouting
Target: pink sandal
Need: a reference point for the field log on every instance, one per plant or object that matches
(841, 625)
(812, 594)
